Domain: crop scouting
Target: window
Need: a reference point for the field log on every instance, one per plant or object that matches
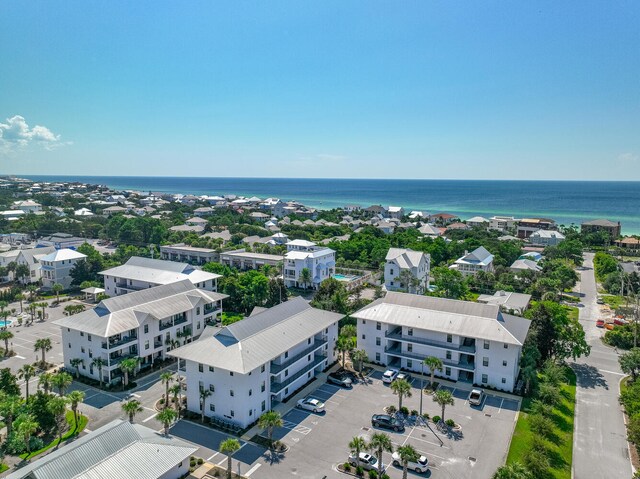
(231, 393)
(233, 413)
(82, 349)
(486, 344)
(391, 272)
(504, 362)
(505, 345)
(363, 336)
(69, 345)
(82, 333)
(146, 344)
(212, 407)
(262, 387)
(286, 391)
(211, 369)
(447, 371)
(286, 354)
(262, 369)
(250, 412)
(212, 388)
(485, 379)
(378, 341)
(449, 338)
(90, 353)
(200, 367)
(364, 321)
(448, 354)
(378, 326)
(409, 363)
(286, 373)
(410, 332)
(378, 357)
(308, 340)
(198, 325)
(409, 348)
(308, 357)
(504, 380)
(485, 362)
(263, 406)
(309, 374)
(146, 328)
(198, 310)
(230, 373)
(89, 337)
(200, 387)
(250, 392)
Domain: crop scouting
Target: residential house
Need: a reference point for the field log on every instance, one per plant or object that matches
(188, 229)
(612, 228)
(253, 364)
(196, 221)
(118, 449)
(352, 208)
(502, 223)
(525, 265)
(507, 300)
(546, 238)
(31, 259)
(28, 206)
(114, 210)
(430, 230)
(145, 324)
(395, 212)
(143, 273)
(527, 226)
(476, 343)
(56, 267)
(478, 222)
(478, 260)
(83, 212)
(203, 211)
(386, 227)
(12, 215)
(443, 219)
(629, 243)
(301, 254)
(407, 270)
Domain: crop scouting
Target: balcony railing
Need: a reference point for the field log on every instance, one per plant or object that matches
(119, 359)
(396, 351)
(277, 368)
(397, 336)
(169, 324)
(129, 287)
(276, 387)
(120, 342)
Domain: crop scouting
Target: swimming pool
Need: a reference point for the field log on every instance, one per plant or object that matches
(345, 277)
(4, 324)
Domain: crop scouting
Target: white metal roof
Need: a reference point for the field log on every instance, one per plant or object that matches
(62, 255)
(158, 271)
(405, 258)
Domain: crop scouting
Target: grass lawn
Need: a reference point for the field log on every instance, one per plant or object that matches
(72, 432)
(230, 318)
(573, 312)
(614, 302)
(561, 448)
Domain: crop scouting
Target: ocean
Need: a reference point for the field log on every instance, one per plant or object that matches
(567, 202)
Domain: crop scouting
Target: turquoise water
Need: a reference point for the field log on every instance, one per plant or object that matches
(566, 202)
(345, 277)
(4, 324)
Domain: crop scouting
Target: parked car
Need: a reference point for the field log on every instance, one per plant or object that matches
(619, 321)
(385, 421)
(475, 397)
(389, 376)
(600, 323)
(419, 466)
(609, 326)
(600, 301)
(403, 375)
(367, 461)
(310, 404)
(340, 379)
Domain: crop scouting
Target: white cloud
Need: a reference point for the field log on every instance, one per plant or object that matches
(628, 159)
(16, 133)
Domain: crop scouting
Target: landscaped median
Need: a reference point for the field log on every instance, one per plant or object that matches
(72, 432)
(543, 436)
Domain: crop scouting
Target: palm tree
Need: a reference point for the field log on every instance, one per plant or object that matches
(99, 363)
(43, 345)
(380, 442)
(175, 391)
(434, 364)
(132, 408)
(27, 425)
(344, 345)
(20, 297)
(128, 366)
(43, 306)
(61, 381)
(57, 289)
(229, 447)
(26, 372)
(9, 408)
(357, 445)
(514, 470)
(402, 388)
(57, 406)
(6, 336)
(75, 398)
(31, 289)
(44, 381)
(166, 417)
(75, 363)
(305, 277)
(444, 398)
(166, 379)
(32, 308)
(270, 420)
(358, 357)
(407, 454)
(204, 394)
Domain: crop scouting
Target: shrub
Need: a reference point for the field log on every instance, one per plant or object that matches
(359, 471)
(385, 476)
(404, 410)
(538, 407)
(537, 463)
(541, 425)
(436, 419)
(200, 461)
(425, 416)
(549, 394)
(391, 409)
(15, 445)
(373, 474)
(346, 466)
(414, 412)
(450, 422)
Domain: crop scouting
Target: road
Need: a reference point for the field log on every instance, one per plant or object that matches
(599, 442)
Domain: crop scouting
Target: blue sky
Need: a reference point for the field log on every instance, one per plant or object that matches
(424, 89)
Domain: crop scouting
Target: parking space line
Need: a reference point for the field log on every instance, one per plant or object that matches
(484, 400)
(212, 456)
(219, 463)
(150, 417)
(252, 470)
(501, 403)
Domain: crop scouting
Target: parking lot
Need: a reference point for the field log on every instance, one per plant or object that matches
(318, 442)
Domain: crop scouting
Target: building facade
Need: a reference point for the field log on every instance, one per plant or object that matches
(476, 342)
(251, 365)
(527, 226)
(246, 260)
(613, 229)
(188, 254)
(478, 260)
(407, 270)
(301, 255)
(546, 238)
(56, 267)
(144, 324)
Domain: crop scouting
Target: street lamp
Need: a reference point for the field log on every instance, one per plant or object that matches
(421, 384)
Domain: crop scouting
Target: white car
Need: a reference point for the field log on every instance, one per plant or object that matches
(367, 461)
(420, 466)
(310, 404)
(403, 375)
(389, 376)
(475, 397)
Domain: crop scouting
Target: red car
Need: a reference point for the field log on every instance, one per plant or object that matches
(600, 323)
(619, 321)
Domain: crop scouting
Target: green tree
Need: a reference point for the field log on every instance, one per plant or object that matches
(358, 357)
(26, 372)
(43, 345)
(6, 336)
(57, 288)
(305, 277)
(407, 454)
(443, 398)
(514, 470)
(10, 406)
(357, 445)
(380, 443)
(45, 381)
(61, 381)
(26, 426)
(128, 367)
(99, 363)
(332, 295)
(204, 394)
(76, 363)
(229, 447)
(449, 282)
(58, 407)
(21, 273)
(630, 362)
(9, 382)
(343, 346)
(167, 417)
(166, 379)
(175, 392)
(75, 398)
(401, 388)
(131, 408)
(434, 364)
(268, 421)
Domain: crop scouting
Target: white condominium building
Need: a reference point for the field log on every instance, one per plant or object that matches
(476, 342)
(252, 364)
(143, 273)
(145, 324)
(302, 254)
(406, 270)
(56, 267)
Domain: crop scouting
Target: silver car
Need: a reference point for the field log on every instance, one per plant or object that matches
(475, 397)
(310, 404)
(368, 462)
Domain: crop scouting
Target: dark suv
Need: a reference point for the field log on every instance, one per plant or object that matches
(385, 421)
(340, 379)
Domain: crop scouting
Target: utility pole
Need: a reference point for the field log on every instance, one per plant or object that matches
(422, 385)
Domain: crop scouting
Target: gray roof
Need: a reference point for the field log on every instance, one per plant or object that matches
(158, 271)
(477, 256)
(525, 264)
(463, 318)
(507, 299)
(122, 313)
(405, 258)
(601, 222)
(245, 345)
(116, 450)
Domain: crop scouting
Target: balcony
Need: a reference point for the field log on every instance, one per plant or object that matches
(396, 335)
(119, 342)
(278, 368)
(124, 285)
(397, 351)
(211, 308)
(277, 387)
(117, 360)
(168, 324)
